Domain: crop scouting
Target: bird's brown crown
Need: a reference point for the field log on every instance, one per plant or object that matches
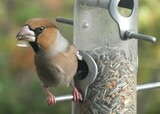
(37, 22)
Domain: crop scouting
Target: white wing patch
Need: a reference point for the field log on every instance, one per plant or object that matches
(79, 56)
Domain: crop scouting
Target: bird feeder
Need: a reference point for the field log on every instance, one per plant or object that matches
(106, 32)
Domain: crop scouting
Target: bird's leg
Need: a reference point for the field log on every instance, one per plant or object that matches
(76, 94)
(51, 98)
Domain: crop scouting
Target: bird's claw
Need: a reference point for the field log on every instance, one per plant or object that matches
(51, 99)
(76, 95)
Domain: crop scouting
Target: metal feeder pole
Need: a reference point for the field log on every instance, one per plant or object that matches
(104, 33)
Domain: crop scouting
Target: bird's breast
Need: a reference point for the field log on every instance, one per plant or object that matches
(57, 70)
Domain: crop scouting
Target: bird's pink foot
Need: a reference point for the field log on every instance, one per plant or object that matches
(76, 95)
(51, 99)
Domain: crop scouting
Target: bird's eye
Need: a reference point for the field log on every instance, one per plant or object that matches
(41, 29)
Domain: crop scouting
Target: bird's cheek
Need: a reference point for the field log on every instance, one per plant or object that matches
(42, 41)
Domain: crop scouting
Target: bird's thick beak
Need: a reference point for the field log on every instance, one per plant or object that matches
(26, 34)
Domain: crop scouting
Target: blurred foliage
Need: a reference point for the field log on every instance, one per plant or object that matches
(149, 56)
(20, 89)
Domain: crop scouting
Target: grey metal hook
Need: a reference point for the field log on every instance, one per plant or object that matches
(64, 20)
(126, 24)
(129, 35)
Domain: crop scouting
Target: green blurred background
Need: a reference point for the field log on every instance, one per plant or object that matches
(20, 88)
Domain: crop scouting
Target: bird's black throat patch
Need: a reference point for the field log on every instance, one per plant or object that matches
(35, 46)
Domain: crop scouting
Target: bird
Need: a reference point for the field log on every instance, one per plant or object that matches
(55, 59)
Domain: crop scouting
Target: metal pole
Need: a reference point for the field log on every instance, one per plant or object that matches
(99, 28)
(148, 86)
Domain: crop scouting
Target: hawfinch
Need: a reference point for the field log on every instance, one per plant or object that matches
(55, 59)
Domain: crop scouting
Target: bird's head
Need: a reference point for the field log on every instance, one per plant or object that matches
(38, 32)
